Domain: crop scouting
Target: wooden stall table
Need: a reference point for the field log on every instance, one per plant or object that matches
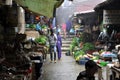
(115, 72)
(37, 63)
(41, 48)
(102, 72)
(99, 72)
(108, 71)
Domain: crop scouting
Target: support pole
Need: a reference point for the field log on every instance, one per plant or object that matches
(8, 2)
(21, 20)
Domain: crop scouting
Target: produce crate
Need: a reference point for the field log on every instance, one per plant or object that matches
(39, 48)
(82, 61)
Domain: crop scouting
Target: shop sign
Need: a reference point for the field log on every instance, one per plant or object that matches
(111, 17)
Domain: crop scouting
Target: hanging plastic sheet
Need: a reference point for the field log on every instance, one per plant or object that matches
(42, 7)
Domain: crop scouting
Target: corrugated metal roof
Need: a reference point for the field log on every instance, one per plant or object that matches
(86, 5)
(110, 4)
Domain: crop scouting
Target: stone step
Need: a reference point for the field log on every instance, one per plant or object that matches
(65, 48)
(66, 42)
(67, 39)
(70, 36)
(62, 33)
(63, 52)
(65, 45)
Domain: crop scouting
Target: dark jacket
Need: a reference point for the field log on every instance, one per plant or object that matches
(83, 76)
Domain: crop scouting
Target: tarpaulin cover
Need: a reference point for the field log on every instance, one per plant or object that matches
(42, 7)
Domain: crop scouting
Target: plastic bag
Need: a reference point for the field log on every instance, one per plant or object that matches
(72, 30)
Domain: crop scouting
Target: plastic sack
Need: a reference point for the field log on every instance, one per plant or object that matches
(72, 30)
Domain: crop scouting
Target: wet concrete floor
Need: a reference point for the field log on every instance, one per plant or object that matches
(65, 69)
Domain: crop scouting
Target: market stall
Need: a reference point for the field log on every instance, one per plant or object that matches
(82, 52)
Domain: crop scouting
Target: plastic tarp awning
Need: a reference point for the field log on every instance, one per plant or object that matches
(42, 7)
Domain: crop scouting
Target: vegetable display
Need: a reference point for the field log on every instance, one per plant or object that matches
(73, 44)
(88, 46)
(32, 26)
(41, 40)
(78, 54)
(44, 26)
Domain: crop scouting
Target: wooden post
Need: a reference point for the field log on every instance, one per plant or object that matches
(8, 2)
(99, 72)
(21, 20)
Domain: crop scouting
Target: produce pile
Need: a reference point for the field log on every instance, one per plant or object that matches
(84, 51)
(33, 26)
(41, 40)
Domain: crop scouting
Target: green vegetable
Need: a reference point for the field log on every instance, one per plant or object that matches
(32, 26)
(102, 63)
(73, 43)
(78, 53)
(44, 26)
(80, 39)
(41, 40)
(88, 46)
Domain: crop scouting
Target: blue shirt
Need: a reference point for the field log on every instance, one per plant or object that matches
(38, 27)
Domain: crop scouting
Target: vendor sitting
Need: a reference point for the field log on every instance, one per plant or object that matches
(91, 68)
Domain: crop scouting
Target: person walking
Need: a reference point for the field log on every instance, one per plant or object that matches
(59, 44)
(52, 42)
(58, 29)
(64, 29)
(68, 27)
(38, 28)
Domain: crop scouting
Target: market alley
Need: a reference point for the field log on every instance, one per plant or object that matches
(65, 69)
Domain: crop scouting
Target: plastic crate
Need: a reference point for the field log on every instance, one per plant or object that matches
(82, 62)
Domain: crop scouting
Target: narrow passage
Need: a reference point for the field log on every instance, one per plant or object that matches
(65, 69)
